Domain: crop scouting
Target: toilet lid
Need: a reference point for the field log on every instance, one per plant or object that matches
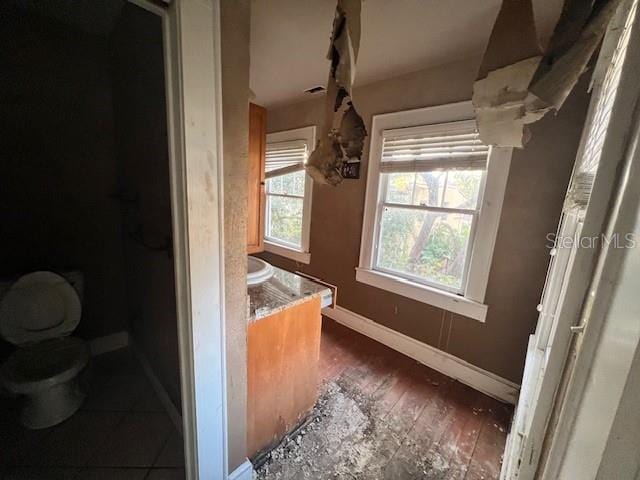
(40, 305)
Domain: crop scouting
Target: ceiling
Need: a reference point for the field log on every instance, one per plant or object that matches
(290, 38)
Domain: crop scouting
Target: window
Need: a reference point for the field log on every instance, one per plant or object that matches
(288, 193)
(434, 194)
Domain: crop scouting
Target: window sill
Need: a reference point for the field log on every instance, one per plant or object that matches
(290, 253)
(423, 293)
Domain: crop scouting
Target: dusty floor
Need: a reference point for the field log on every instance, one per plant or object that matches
(383, 416)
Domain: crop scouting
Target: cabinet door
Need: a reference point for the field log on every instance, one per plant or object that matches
(256, 196)
(283, 350)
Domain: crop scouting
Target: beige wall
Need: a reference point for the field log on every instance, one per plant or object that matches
(235, 111)
(537, 182)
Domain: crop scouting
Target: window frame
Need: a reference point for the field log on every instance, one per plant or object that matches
(274, 245)
(469, 300)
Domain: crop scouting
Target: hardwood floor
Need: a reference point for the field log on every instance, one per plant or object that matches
(439, 427)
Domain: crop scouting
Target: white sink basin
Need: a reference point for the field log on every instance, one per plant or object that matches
(258, 271)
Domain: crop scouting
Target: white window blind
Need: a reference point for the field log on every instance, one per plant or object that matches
(448, 146)
(285, 157)
(606, 87)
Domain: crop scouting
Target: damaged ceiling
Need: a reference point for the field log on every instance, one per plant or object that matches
(289, 40)
(518, 83)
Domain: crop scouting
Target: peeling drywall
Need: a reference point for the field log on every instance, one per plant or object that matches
(343, 144)
(518, 83)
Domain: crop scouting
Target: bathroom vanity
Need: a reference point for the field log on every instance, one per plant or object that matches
(283, 335)
(283, 350)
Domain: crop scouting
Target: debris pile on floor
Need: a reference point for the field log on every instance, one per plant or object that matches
(344, 437)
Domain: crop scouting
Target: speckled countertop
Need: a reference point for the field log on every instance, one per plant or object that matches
(283, 290)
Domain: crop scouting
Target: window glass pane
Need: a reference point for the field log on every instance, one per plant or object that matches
(289, 184)
(284, 219)
(425, 245)
(422, 188)
(452, 188)
(462, 188)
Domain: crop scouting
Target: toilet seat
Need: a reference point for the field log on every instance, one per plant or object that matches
(43, 364)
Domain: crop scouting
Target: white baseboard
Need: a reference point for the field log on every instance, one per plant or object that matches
(454, 367)
(243, 472)
(162, 394)
(108, 343)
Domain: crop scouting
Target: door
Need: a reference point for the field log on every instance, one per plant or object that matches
(576, 248)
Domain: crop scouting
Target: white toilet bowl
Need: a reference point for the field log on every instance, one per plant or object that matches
(37, 314)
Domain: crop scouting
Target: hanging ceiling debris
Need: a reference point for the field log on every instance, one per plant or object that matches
(339, 147)
(517, 84)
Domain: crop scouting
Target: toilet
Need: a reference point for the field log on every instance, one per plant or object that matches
(38, 313)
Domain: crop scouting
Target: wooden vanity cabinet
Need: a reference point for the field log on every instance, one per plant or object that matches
(282, 372)
(256, 193)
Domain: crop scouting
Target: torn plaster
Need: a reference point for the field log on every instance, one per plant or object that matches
(499, 103)
(339, 143)
(509, 97)
(325, 162)
(559, 71)
(352, 134)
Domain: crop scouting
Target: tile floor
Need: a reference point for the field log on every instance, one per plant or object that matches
(121, 432)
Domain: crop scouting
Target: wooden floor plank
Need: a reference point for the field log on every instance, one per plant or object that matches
(487, 457)
(430, 425)
(410, 461)
(459, 444)
(419, 392)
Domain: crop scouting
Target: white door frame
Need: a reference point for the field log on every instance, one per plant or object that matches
(610, 341)
(594, 428)
(191, 38)
(524, 447)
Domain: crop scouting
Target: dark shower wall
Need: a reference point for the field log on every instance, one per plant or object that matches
(84, 172)
(57, 163)
(142, 152)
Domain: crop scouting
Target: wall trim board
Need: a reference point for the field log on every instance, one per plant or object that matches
(243, 472)
(454, 367)
(160, 391)
(108, 343)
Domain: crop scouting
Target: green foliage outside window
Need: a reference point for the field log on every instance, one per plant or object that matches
(428, 244)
